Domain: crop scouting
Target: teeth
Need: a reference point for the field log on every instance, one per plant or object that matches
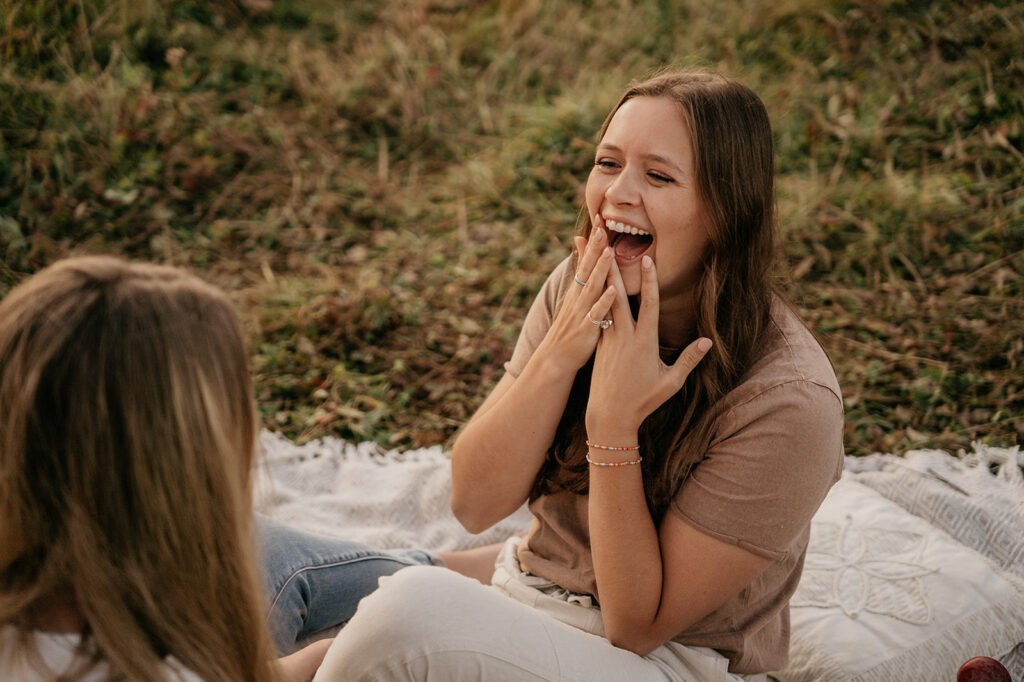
(616, 226)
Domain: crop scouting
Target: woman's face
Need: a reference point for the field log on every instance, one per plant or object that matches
(643, 183)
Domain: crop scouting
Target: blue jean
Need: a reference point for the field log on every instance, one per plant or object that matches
(314, 582)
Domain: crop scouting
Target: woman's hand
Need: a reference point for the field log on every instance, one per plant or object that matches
(630, 380)
(497, 455)
(302, 665)
(573, 337)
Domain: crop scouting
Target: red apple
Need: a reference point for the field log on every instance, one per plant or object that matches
(982, 669)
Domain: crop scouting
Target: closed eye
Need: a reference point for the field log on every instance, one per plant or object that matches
(660, 177)
(606, 163)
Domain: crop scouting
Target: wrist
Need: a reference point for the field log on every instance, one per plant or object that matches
(609, 428)
(610, 417)
(622, 452)
(610, 440)
(552, 369)
(555, 360)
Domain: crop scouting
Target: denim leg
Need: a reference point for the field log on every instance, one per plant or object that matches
(314, 582)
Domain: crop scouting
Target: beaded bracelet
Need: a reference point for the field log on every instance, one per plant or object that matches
(612, 447)
(615, 464)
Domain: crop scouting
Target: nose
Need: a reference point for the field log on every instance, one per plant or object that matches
(624, 189)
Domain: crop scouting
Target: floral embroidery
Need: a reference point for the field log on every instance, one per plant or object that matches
(877, 570)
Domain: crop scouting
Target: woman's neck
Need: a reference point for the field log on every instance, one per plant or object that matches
(677, 322)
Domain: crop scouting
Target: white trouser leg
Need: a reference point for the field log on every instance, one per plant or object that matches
(431, 624)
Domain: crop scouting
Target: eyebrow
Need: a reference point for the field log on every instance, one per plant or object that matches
(650, 157)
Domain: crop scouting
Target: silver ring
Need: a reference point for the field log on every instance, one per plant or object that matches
(579, 281)
(603, 324)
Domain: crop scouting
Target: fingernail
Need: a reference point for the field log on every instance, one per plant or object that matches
(607, 253)
(647, 263)
(704, 345)
(600, 234)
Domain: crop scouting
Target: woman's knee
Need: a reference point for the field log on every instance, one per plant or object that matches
(394, 626)
(409, 602)
(432, 623)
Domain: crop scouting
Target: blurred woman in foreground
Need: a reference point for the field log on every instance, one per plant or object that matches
(127, 434)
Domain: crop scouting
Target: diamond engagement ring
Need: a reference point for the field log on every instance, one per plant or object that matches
(603, 324)
(579, 281)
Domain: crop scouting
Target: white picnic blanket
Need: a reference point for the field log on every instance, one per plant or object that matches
(400, 498)
(361, 492)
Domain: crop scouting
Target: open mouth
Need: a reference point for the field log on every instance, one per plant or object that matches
(628, 241)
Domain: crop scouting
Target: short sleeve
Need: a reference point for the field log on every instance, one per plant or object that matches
(768, 471)
(539, 317)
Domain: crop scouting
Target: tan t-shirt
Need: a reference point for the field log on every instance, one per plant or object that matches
(776, 450)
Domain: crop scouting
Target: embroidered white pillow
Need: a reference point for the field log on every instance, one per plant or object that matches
(887, 596)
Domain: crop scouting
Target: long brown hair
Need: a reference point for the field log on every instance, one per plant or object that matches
(127, 434)
(735, 175)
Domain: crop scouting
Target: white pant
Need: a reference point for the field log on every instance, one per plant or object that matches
(429, 623)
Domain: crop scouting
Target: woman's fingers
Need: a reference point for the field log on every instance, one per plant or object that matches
(620, 305)
(598, 274)
(599, 311)
(647, 319)
(687, 361)
(581, 245)
(590, 251)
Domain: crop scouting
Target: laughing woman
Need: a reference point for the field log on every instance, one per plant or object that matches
(672, 424)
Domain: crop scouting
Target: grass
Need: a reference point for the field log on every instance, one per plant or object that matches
(383, 186)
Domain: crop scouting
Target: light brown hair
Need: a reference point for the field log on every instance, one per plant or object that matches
(127, 434)
(735, 176)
